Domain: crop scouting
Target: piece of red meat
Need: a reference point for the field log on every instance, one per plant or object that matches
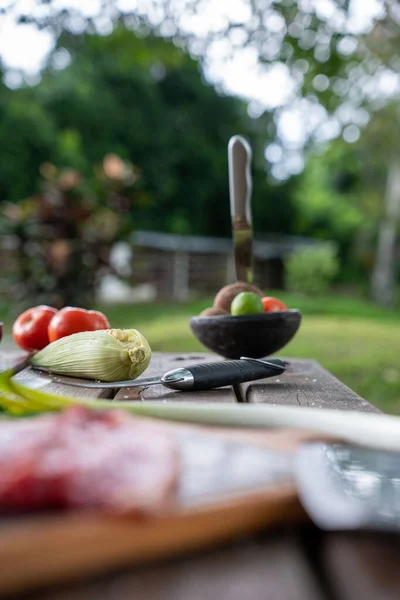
(82, 458)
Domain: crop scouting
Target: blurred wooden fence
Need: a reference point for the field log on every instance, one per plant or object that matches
(178, 267)
(8, 266)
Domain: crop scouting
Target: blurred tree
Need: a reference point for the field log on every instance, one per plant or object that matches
(329, 199)
(27, 137)
(144, 99)
(381, 159)
(328, 195)
(65, 232)
(119, 95)
(337, 60)
(351, 193)
(332, 53)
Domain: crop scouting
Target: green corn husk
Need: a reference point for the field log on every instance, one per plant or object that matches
(109, 355)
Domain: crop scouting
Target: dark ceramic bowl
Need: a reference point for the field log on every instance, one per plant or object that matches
(254, 336)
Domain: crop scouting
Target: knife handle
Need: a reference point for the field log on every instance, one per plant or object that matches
(240, 183)
(219, 374)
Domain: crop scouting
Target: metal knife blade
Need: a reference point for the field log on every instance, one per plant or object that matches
(215, 467)
(240, 188)
(344, 487)
(197, 377)
(113, 384)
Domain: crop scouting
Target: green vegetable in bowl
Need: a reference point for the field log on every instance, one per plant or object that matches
(109, 355)
(246, 303)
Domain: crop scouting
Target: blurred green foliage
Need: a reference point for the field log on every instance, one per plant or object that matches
(312, 270)
(145, 100)
(142, 101)
(327, 195)
(63, 235)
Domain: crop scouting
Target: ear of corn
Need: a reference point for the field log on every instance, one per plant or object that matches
(109, 355)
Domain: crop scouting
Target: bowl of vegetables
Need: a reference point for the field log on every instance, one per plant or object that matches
(244, 322)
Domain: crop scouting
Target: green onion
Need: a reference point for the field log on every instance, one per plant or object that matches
(366, 429)
(11, 401)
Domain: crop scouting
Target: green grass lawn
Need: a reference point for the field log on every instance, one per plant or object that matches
(352, 338)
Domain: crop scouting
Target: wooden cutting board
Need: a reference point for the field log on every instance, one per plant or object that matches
(232, 482)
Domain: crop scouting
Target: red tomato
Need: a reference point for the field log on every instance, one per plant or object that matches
(30, 328)
(71, 320)
(273, 304)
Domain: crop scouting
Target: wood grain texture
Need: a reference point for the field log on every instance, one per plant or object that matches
(12, 359)
(58, 387)
(51, 550)
(273, 568)
(305, 383)
(362, 565)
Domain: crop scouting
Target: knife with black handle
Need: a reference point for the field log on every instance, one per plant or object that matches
(205, 376)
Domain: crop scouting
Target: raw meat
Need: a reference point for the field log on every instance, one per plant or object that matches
(87, 459)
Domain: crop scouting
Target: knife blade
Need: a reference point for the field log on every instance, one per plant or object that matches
(240, 188)
(345, 487)
(205, 376)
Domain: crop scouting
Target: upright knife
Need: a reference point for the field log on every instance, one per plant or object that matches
(240, 188)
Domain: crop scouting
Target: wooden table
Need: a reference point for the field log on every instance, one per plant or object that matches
(287, 563)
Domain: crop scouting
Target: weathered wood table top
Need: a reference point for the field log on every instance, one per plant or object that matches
(292, 563)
